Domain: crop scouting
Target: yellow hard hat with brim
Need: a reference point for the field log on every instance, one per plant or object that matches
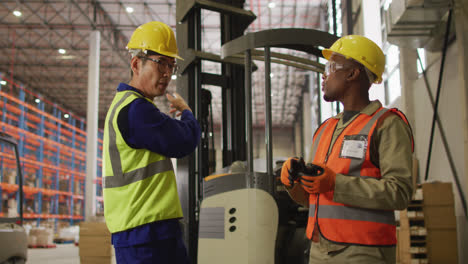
(361, 49)
(155, 36)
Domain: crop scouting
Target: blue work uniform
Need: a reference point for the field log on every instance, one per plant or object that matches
(142, 125)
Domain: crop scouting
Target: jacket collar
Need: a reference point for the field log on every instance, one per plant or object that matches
(369, 110)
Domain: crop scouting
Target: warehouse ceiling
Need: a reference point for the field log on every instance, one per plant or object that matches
(44, 46)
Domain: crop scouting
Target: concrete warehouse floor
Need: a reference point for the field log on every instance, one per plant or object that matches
(62, 254)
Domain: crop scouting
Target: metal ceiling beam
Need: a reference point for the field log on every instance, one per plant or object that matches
(61, 79)
(151, 12)
(83, 67)
(121, 6)
(67, 26)
(52, 47)
(114, 38)
(71, 24)
(44, 22)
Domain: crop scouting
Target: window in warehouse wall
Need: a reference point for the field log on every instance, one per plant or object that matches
(385, 3)
(339, 24)
(392, 73)
(328, 109)
(422, 56)
(391, 76)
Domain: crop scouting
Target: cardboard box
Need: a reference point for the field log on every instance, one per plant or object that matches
(91, 243)
(438, 193)
(95, 243)
(442, 246)
(94, 250)
(439, 216)
(95, 260)
(94, 229)
(12, 212)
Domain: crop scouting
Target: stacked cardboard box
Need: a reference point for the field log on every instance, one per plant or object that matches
(29, 179)
(77, 209)
(64, 209)
(95, 243)
(63, 185)
(45, 207)
(428, 230)
(440, 222)
(12, 208)
(77, 189)
(9, 176)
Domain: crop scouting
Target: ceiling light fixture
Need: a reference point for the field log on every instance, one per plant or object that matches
(62, 51)
(37, 100)
(17, 13)
(272, 5)
(3, 82)
(129, 9)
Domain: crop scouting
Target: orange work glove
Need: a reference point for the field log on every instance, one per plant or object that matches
(290, 171)
(318, 178)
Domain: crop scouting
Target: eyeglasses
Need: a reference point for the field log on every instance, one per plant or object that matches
(332, 66)
(163, 65)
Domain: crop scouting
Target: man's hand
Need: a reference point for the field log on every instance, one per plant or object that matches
(177, 103)
(290, 171)
(318, 178)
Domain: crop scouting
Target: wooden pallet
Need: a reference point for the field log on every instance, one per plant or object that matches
(42, 246)
(63, 241)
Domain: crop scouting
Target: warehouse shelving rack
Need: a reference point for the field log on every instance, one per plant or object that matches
(53, 154)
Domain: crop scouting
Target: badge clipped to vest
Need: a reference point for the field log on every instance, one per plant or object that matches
(354, 147)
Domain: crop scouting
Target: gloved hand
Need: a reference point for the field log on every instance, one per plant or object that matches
(318, 178)
(290, 171)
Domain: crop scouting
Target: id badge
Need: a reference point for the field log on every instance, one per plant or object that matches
(354, 147)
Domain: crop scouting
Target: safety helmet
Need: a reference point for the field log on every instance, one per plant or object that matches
(361, 49)
(155, 36)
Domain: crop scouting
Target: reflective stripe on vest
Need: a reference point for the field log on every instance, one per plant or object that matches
(121, 179)
(353, 213)
(317, 140)
(373, 227)
(139, 185)
(356, 164)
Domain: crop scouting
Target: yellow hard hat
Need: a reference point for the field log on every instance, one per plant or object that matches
(361, 49)
(155, 36)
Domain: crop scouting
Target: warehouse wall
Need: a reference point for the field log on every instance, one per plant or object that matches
(418, 107)
(453, 108)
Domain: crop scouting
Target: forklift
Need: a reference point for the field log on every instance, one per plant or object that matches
(246, 215)
(13, 237)
(240, 213)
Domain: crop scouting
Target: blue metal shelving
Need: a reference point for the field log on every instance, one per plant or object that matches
(53, 155)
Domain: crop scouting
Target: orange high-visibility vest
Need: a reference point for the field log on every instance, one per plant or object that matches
(339, 222)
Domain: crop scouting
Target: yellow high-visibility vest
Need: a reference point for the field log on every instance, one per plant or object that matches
(139, 185)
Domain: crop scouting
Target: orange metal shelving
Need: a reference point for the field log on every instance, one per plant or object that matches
(52, 155)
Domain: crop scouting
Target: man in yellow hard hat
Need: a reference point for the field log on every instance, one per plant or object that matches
(360, 168)
(141, 203)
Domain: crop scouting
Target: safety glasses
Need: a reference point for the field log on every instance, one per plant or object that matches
(332, 66)
(163, 65)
